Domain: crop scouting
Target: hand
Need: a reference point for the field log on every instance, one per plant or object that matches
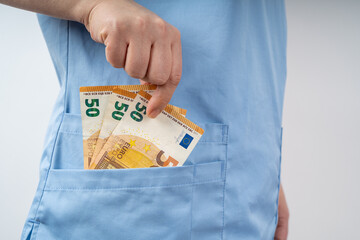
(283, 219)
(142, 43)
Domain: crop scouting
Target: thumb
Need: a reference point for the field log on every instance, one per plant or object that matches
(160, 98)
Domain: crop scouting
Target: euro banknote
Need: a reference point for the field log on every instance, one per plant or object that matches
(140, 142)
(93, 101)
(95, 110)
(117, 107)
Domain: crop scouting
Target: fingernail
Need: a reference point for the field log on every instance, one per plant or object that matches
(154, 113)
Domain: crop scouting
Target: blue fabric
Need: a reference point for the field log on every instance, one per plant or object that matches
(234, 70)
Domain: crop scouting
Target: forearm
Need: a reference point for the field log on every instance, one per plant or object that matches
(75, 10)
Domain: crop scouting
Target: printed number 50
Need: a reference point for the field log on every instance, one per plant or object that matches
(136, 115)
(92, 111)
(117, 115)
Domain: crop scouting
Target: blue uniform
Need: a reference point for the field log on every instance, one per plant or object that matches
(234, 70)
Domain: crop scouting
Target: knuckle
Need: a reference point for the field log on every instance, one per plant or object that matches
(163, 100)
(140, 22)
(159, 78)
(177, 34)
(134, 73)
(104, 36)
(115, 64)
(115, 24)
(109, 46)
(112, 58)
(161, 25)
(175, 79)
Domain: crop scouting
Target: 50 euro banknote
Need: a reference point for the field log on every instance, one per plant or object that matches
(140, 142)
(98, 104)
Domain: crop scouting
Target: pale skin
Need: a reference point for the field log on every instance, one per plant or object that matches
(282, 228)
(136, 39)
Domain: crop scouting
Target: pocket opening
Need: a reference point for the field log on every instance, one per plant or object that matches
(73, 179)
(68, 151)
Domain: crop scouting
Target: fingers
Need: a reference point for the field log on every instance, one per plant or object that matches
(147, 47)
(115, 52)
(142, 82)
(137, 58)
(160, 64)
(160, 98)
(163, 93)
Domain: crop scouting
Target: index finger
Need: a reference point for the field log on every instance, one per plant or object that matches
(163, 93)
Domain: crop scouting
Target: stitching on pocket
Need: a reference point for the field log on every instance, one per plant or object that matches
(135, 178)
(130, 188)
(224, 186)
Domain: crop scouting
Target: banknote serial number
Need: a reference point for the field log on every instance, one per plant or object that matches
(174, 119)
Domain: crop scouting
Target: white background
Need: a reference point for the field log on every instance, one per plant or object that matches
(321, 142)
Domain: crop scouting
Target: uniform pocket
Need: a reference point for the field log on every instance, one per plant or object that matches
(151, 203)
(68, 149)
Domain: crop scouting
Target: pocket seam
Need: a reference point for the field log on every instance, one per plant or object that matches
(130, 178)
(224, 184)
(131, 188)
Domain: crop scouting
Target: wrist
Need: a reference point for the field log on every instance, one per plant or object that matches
(82, 10)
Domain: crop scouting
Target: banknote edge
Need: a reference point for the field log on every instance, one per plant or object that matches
(170, 110)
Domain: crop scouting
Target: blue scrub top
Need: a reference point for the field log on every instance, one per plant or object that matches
(234, 70)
